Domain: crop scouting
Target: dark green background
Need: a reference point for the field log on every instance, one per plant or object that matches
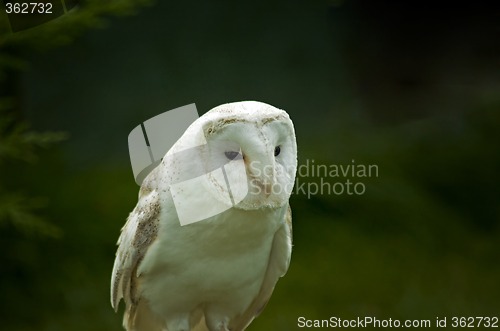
(413, 88)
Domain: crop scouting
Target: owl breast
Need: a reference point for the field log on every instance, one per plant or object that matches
(217, 264)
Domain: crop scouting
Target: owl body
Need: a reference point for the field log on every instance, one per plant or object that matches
(217, 273)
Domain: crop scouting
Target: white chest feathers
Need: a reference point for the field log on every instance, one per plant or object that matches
(216, 267)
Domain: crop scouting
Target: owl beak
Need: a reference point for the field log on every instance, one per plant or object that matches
(263, 176)
(265, 188)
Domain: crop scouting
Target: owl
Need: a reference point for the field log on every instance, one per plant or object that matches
(211, 233)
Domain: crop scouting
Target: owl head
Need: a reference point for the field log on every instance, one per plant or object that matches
(241, 155)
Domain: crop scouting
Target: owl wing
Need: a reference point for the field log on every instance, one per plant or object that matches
(279, 260)
(138, 233)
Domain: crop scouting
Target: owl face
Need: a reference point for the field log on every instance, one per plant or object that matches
(258, 143)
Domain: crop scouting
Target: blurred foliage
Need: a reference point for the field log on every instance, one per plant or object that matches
(27, 224)
(18, 143)
(22, 221)
(422, 242)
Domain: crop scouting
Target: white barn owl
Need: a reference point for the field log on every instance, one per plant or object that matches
(211, 233)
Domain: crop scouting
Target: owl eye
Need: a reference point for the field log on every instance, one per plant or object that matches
(231, 155)
(277, 151)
